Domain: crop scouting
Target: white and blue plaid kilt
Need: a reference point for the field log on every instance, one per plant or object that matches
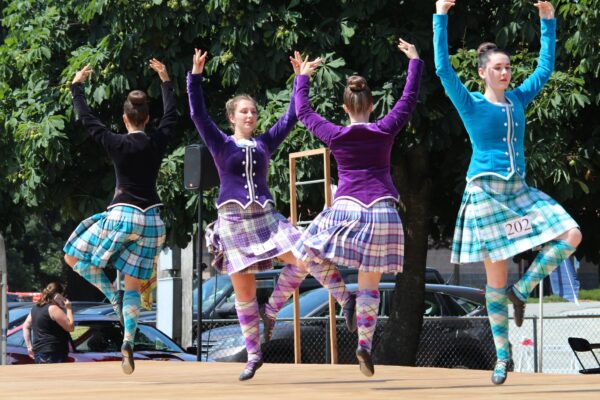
(246, 240)
(488, 204)
(125, 237)
(351, 235)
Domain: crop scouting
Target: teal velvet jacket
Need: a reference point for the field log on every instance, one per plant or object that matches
(496, 130)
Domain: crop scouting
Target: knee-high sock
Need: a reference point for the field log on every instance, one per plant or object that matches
(329, 277)
(497, 306)
(96, 277)
(367, 308)
(247, 312)
(289, 279)
(552, 254)
(131, 312)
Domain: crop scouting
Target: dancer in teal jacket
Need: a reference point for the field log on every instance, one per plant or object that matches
(500, 215)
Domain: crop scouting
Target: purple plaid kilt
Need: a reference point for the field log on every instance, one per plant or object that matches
(351, 235)
(246, 240)
(125, 237)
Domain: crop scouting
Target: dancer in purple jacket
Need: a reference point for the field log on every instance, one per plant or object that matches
(249, 232)
(362, 229)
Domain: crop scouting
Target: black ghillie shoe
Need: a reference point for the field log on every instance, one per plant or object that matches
(349, 313)
(518, 306)
(117, 305)
(250, 370)
(127, 363)
(500, 371)
(365, 362)
(268, 324)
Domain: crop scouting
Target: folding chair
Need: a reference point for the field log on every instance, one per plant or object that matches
(579, 345)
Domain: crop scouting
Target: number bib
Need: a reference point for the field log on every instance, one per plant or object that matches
(518, 227)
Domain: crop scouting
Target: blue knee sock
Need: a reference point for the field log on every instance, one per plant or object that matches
(131, 312)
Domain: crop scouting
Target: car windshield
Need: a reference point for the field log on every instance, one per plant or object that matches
(17, 316)
(212, 290)
(97, 310)
(104, 337)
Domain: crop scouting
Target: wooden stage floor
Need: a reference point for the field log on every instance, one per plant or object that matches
(185, 380)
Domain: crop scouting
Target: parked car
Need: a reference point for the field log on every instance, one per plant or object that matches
(218, 298)
(18, 315)
(99, 338)
(444, 343)
(146, 316)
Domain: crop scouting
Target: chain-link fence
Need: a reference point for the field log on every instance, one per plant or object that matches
(552, 339)
(446, 342)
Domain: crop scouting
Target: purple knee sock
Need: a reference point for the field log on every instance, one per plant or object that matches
(367, 308)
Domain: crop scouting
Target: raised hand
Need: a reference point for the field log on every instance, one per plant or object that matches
(545, 8)
(199, 61)
(308, 67)
(409, 49)
(160, 68)
(296, 61)
(82, 74)
(442, 6)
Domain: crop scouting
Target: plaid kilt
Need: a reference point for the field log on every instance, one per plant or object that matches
(489, 204)
(246, 240)
(125, 237)
(351, 235)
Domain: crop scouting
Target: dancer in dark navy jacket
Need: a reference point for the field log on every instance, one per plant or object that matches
(501, 216)
(130, 233)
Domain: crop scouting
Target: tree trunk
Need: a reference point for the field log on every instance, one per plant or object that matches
(400, 340)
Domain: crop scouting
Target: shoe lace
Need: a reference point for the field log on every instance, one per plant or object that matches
(501, 367)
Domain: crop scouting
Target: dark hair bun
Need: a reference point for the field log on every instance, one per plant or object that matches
(137, 97)
(485, 47)
(357, 83)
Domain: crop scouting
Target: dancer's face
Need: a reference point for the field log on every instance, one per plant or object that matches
(244, 118)
(496, 73)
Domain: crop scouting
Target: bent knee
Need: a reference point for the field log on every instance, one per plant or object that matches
(70, 260)
(574, 237)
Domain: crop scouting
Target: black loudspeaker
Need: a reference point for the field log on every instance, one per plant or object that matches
(197, 163)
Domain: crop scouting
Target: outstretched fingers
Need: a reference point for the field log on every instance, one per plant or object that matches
(82, 74)
(160, 68)
(199, 60)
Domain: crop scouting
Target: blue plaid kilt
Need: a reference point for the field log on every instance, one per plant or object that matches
(246, 240)
(490, 205)
(351, 235)
(125, 237)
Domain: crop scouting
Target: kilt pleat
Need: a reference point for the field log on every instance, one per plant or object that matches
(125, 237)
(348, 234)
(489, 203)
(246, 240)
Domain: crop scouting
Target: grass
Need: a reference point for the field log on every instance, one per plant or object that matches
(584, 295)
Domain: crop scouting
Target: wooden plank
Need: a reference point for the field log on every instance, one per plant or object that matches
(308, 153)
(186, 380)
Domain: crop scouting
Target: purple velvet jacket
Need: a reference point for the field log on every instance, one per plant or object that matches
(242, 170)
(362, 151)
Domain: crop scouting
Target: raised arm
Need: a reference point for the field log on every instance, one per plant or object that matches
(400, 113)
(212, 136)
(533, 85)
(314, 122)
(284, 125)
(168, 121)
(456, 91)
(97, 130)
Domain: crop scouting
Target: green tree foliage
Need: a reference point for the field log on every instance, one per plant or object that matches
(49, 163)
